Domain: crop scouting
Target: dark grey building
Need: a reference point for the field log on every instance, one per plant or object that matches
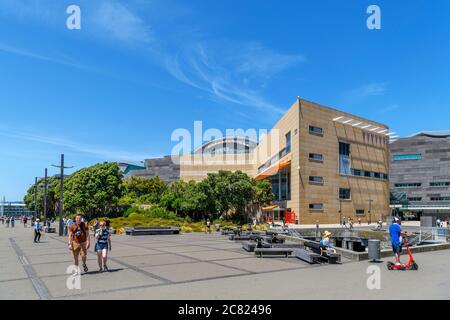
(164, 168)
(420, 174)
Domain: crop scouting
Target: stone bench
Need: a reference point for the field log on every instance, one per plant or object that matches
(239, 238)
(50, 230)
(260, 252)
(306, 255)
(151, 230)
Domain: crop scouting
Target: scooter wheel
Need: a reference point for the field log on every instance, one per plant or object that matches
(415, 266)
(389, 266)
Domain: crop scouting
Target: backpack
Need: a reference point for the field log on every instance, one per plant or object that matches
(79, 229)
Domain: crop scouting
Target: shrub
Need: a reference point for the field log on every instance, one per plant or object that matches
(186, 229)
(135, 215)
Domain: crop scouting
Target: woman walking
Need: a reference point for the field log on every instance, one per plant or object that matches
(102, 246)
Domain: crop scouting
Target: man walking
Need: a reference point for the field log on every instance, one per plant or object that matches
(37, 231)
(79, 241)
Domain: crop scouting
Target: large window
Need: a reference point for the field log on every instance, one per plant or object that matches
(360, 212)
(345, 194)
(398, 157)
(344, 158)
(281, 186)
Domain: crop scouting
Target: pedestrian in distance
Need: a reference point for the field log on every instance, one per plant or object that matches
(25, 220)
(37, 231)
(103, 245)
(13, 221)
(344, 222)
(79, 242)
(207, 226)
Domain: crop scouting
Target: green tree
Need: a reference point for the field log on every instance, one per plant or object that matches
(94, 190)
(144, 191)
(52, 198)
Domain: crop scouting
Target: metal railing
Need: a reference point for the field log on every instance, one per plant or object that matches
(434, 234)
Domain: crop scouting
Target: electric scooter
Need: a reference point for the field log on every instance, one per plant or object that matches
(411, 265)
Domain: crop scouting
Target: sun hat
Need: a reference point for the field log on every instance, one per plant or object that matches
(327, 233)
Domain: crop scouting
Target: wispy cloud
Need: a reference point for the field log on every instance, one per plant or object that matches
(371, 89)
(388, 109)
(116, 21)
(200, 69)
(25, 53)
(257, 60)
(102, 153)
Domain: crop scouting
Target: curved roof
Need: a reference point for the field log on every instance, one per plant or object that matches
(433, 134)
(238, 144)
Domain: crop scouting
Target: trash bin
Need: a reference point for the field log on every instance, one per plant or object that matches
(374, 250)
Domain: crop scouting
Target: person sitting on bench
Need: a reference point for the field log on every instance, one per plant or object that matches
(326, 244)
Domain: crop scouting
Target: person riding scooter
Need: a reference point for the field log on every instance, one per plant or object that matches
(396, 233)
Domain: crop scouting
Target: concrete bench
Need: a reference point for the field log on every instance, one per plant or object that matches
(151, 230)
(260, 252)
(239, 238)
(306, 255)
(249, 246)
(50, 230)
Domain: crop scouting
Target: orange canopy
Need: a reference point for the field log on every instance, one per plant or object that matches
(269, 208)
(273, 170)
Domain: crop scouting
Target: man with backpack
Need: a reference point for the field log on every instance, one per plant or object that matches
(79, 241)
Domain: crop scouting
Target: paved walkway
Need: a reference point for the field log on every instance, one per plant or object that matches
(200, 266)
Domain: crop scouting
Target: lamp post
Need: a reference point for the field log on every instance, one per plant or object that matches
(35, 197)
(61, 190)
(45, 196)
(340, 211)
(370, 211)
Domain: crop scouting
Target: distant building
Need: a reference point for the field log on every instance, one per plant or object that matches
(15, 209)
(127, 167)
(164, 168)
(420, 174)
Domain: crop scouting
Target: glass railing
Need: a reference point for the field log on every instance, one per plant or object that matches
(275, 158)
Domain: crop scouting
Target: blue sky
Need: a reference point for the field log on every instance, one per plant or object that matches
(138, 70)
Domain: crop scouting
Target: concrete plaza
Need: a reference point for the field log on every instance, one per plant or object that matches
(201, 266)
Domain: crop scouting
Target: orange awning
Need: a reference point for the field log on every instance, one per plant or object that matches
(269, 208)
(273, 170)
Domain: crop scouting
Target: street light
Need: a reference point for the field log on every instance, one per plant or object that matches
(45, 196)
(370, 211)
(340, 211)
(62, 167)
